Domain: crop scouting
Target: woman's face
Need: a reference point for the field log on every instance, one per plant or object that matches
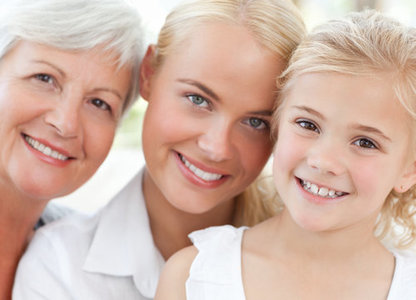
(206, 130)
(58, 115)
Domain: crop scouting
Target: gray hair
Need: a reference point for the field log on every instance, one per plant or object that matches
(77, 25)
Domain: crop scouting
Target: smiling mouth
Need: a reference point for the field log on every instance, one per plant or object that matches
(44, 149)
(206, 176)
(320, 191)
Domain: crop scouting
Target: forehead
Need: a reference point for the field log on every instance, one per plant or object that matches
(219, 42)
(225, 57)
(368, 99)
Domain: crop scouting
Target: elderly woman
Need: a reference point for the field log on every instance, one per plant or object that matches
(68, 72)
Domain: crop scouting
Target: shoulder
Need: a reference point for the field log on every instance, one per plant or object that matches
(175, 273)
(69, 236)
(75, 227)
(405, 274)
(56, 249)
(221, 235)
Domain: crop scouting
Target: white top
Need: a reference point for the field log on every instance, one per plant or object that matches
(110, 255)
(216, 270)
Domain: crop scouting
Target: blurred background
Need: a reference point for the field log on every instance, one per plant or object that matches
(125, 158)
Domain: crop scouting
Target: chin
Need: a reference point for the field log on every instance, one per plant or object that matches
(193, 206)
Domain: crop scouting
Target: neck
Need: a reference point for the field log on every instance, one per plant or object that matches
(18, 216)
(171, 226)
(334, 244)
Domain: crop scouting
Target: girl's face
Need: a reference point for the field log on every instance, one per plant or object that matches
(343, 145)
(206, 130)
(59, 111)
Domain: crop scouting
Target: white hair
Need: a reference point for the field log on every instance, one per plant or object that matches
(77, 25)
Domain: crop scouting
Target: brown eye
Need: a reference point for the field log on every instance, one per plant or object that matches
(45, 78)
(307, 125)
(100, 104)
(365, 143)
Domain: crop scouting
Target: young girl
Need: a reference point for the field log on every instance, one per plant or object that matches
(210, 87)
(345, 168)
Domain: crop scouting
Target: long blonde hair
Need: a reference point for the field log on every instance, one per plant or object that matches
(365, 44)
(276, 25)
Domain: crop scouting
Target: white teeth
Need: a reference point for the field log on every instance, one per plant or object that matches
(323, 191)
(45, 149)
(198, 172)
(314, 188)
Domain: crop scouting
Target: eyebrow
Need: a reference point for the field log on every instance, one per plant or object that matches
(357, 126)
(310, 110)
(50, 65)
(115, 92)
(202, 87)
(370, 129)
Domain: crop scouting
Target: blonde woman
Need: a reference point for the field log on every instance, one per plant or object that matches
(210, 87)
(345, 169)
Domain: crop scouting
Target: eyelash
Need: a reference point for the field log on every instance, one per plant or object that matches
(194, 97)
(264, 125)
(361, 142)
(307, 125)
(369, 144)
(46, 79)
(100, 103)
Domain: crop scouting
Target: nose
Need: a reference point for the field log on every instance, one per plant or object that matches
(326, 158)
(216, 142)
(64, 117)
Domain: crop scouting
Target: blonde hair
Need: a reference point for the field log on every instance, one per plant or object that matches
(364, 44)
(276, 24)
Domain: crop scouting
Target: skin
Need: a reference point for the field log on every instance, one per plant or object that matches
(70, 102)
(212, 109)
(336, 131)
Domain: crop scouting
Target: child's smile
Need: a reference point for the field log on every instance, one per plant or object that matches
(320, 191)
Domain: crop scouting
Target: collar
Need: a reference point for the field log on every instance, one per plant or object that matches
(123, 244)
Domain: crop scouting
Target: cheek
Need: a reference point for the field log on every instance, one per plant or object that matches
(254, 155)
(288, 151)
(371, 179)
(164, 124)
(98, 141)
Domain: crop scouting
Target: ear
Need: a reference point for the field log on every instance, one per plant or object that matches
(407, 180)
(146, 72)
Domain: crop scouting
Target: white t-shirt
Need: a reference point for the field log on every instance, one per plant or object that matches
(216, 270)
(110, 255)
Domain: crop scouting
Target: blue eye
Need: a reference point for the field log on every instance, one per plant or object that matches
(307, 125)
(257, 123)
(198, 100)
(100, 104)
(365, 143)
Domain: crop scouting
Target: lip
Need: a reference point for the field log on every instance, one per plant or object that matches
(46, 158)
(191, 177)
(316, 199)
